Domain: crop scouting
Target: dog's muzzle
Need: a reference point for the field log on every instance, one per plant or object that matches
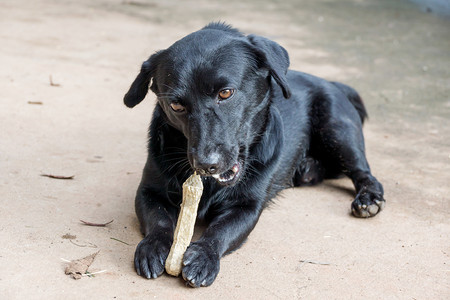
(228, 177)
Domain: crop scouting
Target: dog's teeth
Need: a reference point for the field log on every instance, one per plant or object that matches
(228, 175)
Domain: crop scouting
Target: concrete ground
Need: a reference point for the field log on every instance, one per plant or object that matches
(306, 245)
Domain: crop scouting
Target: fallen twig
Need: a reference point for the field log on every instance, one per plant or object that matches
(314, 262)
(96, 224)
(52, 83)
(92, 274)
(58, 176)
(90, 245)
(120, 241)
(137, 3)
(35, 102)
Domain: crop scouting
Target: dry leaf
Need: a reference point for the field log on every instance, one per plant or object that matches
(77, 268)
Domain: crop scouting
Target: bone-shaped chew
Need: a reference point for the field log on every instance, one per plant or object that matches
(192, 192)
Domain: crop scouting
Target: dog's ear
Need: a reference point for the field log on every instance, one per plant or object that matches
(139, 87)
(275, 58)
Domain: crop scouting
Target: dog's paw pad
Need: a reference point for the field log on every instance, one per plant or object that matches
(367, 205)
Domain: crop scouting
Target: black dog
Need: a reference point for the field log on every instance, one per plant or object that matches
(223, 110)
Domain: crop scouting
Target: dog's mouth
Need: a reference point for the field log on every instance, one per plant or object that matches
(229, 177)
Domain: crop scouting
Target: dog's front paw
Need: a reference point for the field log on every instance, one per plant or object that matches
(201, 265)
(151, 255)
(367, 204)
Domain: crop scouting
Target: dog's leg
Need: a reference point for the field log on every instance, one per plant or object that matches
(225, 233)
(309, 172)
(369, 201)
(344, 142)
(157, 224)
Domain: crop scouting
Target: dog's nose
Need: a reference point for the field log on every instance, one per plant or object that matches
(207, 165)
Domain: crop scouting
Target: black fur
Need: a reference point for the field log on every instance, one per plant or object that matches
(269, 142)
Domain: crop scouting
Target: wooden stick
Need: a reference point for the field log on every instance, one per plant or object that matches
(192, 192)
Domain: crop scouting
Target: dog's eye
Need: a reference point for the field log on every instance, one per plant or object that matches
(176, 106)
(225, 94)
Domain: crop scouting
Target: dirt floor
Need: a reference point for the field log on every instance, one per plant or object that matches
(65, 66)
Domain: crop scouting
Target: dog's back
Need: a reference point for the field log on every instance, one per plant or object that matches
(354, 98)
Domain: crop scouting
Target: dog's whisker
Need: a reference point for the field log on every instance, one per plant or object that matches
(167, 86)
(251, 170)
(184, 169)
(178, 164)
(176, 150)
(173, 154)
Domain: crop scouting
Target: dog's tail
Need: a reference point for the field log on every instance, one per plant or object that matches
(354, 98)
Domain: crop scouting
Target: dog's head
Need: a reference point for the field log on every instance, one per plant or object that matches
(214, 86)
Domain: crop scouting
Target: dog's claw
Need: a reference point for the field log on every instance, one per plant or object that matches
(381, 203)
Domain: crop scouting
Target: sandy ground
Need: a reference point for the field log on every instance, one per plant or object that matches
(396, 56)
